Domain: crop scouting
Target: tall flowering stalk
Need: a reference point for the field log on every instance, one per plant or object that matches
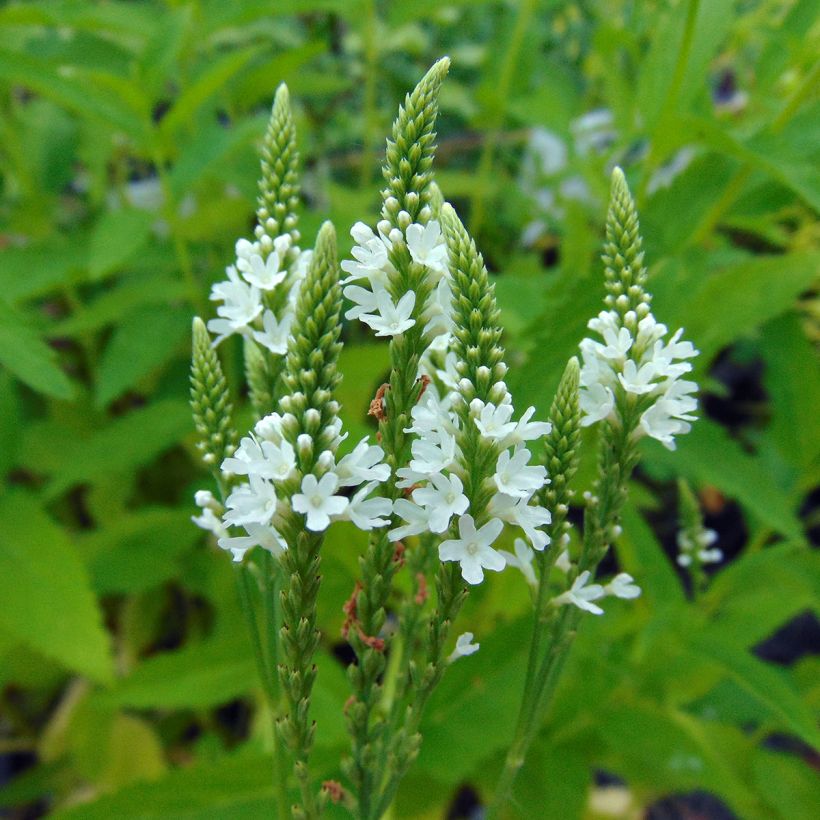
(453, 473)
(631, 382)
(393, 266)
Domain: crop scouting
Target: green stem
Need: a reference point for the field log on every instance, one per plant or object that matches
(496, 115)
(270, 596)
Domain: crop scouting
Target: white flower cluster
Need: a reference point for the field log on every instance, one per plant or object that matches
(434, 482)
(582, 594)
(635, 360)
(267, 459)
(698, 548)
(371, 265)
(259, 270)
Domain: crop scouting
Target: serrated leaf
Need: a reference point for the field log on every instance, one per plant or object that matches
(717, 305)
(117, 236)
(46, 591)
(102, 105)
(126, 443)
(738, 474)
(202, 675)
(237, 786)
(28, 357)
(762, 681)
(139, 551)
(145, 339)
(209, 82)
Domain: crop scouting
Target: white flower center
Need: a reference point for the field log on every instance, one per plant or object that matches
(471, 548)
(316, 500)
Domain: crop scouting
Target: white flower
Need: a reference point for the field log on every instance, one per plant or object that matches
(364, 301)
(391, 319)
(515, 478)
(472, 549)
(266, 274)
(432, 414)
(526, 430)
(522, 560)
(264, 459)
(520, 512)
(433, 453)
(415, 516)
(370, 254)
(257, 536)
(638, 380)
(563, 562)
(443, 500)
(318, 502)
(494, 422)
(427, 246)
(596, 403)
(582, 595)
(363, 464)
(275, 334)
(439, 310)
(270, 428)
(367, 513)
(210, 521)
(242, 304)
(251, 503)
(464, 647)
(623, 586)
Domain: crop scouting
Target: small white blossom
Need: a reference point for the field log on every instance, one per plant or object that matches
(623, 586)
(274, 335)
(252, 503)
(415, 516)
(363, 464)
(494, 422)
(434, 453)
(464, 647)
(522, 559)
(473, 549)
(443, 500)
(391, 320)
(514, 477)
(257, 536)
(427, 246)
(263, 459)
(582, 594)
(364, 300)
(266, 274)
(242, 303)
(520, 512)
(318, 502)
(367, 513)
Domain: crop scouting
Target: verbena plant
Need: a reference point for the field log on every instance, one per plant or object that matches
(454, 474)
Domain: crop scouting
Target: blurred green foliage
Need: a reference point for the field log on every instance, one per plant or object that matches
(128, 143)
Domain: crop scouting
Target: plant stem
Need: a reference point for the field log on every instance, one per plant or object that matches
(265, 664)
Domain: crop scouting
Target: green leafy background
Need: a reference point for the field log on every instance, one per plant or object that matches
(129, 136)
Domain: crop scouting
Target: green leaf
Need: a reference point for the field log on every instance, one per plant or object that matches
(28, 357)
(738, 474)
(210, 81)
(789, 782)
(47, 597)
(138, 551)
(145, 339)
(126, 443)
(762, 681)
(38, 268)
(640, 554)
(238, 786)
(203, 675)
(719, 304)
(792, 380)
(103, 105)
(117, 236)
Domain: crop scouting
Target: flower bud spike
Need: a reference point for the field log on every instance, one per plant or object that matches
(279, 186)
(259, 376)
(410, 151)
(623, 253)
(210, 400)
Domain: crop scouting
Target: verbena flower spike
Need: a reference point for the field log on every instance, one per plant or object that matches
(456, 475)
(695, 541)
